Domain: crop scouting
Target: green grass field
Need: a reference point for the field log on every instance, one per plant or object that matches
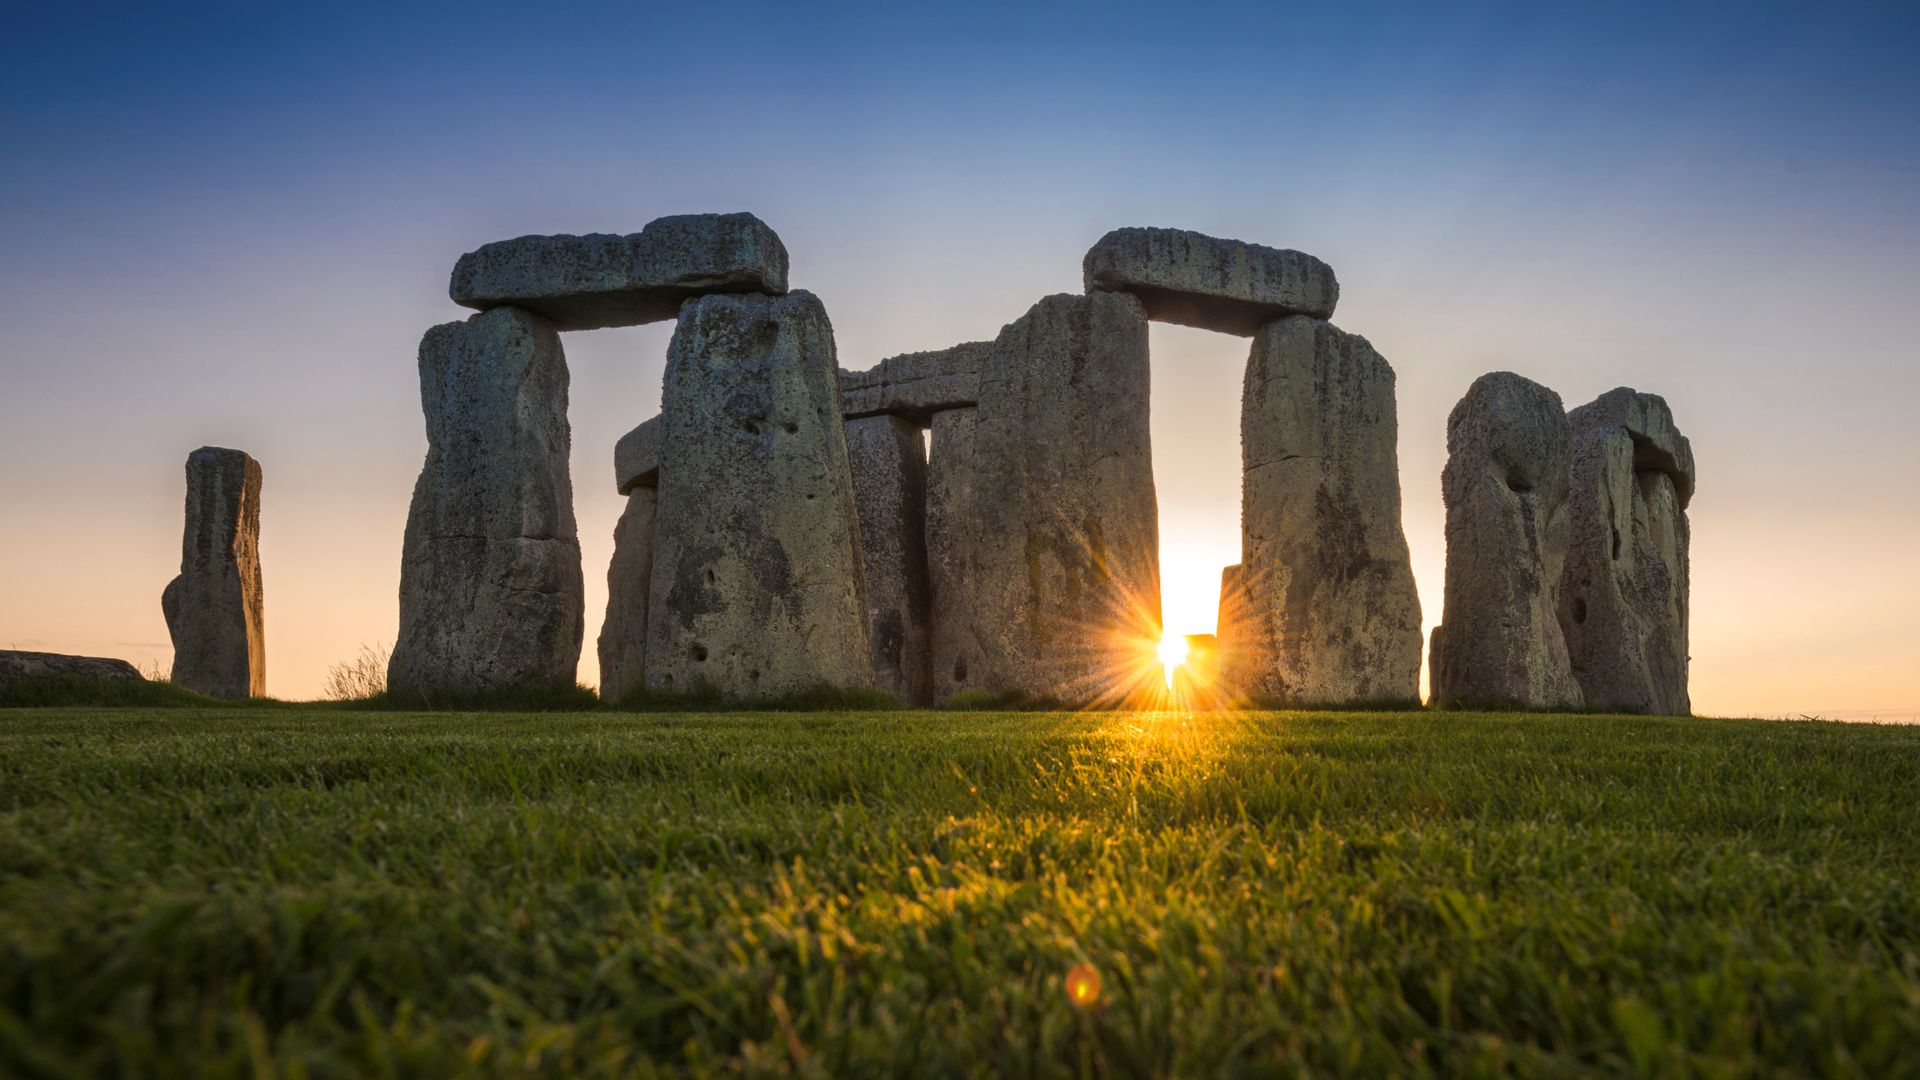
(311, 891)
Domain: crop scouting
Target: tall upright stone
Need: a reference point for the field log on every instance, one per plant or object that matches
(1062, 567)
(957, 657)
(215, 608)
(888, 459)
(757, 588)
(1333, 617)
(490, 586)
(1624, 595)
(1505, 487)
(623, 634)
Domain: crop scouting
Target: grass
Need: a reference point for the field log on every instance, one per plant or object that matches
(333, 893)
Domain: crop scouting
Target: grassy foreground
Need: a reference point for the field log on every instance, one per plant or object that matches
(332, 893)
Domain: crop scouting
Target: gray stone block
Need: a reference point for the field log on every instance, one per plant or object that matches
(215, 608)
(888, 459)
(1193, 279)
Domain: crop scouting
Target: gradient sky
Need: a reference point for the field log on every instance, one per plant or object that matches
(230, 226)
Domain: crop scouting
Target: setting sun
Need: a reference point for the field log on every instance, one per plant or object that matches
(1173, 653)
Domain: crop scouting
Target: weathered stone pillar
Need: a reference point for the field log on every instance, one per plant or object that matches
(490, 588)
(888, 458)
(1062, 566)
(1505, 486)
(1333, 616)
(623, 634)
(757, 588)
(957, 659)
(1624, 596)
(215, 609)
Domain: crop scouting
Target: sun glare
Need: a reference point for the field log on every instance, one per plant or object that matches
(1173, 653)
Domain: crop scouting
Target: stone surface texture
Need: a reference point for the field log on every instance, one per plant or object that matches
(1062, 568)
(917, 385)
(1624, 603)
(757, 588)
(215, 608)
(957, 654)
(1333, 618)
(1505, 488)
(888, 459)
(16, 665)
(1198, 280)
(636, 457)
(586, 282)
(623, 635)
(490, 585)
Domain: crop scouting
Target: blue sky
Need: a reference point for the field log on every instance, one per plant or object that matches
(231, 225)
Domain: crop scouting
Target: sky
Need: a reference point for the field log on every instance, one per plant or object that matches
(230, 225)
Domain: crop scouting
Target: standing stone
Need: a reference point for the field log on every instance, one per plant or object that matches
(215, 609)
(1198, 280)
(757, 589)
(958, 659)
(623, 635)
(1062, 565)
(1333, 618)
(1233, 630)
(888, 459)
(1624, 596)
(586, 282)
(490, 587)
(1505, 486)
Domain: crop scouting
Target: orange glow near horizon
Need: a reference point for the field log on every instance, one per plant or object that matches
(1173, 653)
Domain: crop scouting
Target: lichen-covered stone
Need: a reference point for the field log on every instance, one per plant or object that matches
(957, 656)
(757, 588)
(585, 282)
(917, 385)
(888, 459)
(1063, 564)
(1333, 618)
(216, 609)
(1624, 603)
(490, 585)
(1505, 487)
(636, 457)
(623, 635)
(1198, 280)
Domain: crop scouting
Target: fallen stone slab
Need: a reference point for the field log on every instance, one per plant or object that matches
(490, 587)
(636, 456)
(16, 665)
(1505, 488)
(623, 635)
(1332, 616)
(1624, 596)
(757, 589)
(917, 385)
(599, 280)
(216, 608)
(889, 462)
(1193, 279)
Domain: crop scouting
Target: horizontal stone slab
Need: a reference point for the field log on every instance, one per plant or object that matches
(1193, 279)
(588, 282)
(917, 385)
(16, 665)
(636, 457)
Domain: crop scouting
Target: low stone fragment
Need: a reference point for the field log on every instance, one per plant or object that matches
(490, 585)
(757, 589)
(623, 635)
(215, 608)
(1624, 603)
(586, 282)
(18, 666)
(1505, 487)
(957, 655)
(1062, 560)
(888, 459)
(1333, 618)
(917, 385)
(636, 457)
(1193, 279)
